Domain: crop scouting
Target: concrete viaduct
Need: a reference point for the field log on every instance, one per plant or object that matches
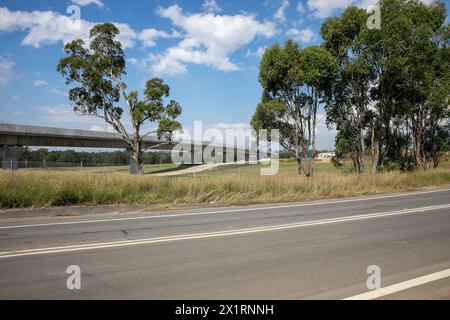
(14, 137)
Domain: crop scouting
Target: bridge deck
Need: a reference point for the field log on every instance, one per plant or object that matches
(20, 135)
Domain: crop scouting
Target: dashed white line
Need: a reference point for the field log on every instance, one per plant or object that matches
(401, 286)
(216, 234)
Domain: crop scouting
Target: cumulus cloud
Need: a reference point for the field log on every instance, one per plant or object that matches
(59, 92)
(83, 3)
(326, 8)
(40, 83)
(304, 35)
(209, 39)
(133, 61)
(7, 73)
(64, 114)
(49, 27)
(280, 14)
(258, 53)
(233, 126)
(149, 36)
(211, 6)
(300, 7)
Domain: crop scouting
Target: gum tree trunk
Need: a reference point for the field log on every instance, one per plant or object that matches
(375, 151)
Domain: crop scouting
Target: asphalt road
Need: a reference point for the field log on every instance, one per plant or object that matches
(314, 250)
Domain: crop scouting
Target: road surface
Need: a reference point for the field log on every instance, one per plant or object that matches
(314, 250)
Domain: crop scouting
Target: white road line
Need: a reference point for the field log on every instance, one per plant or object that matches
(216, 234)
(216, 212)
(401, 286)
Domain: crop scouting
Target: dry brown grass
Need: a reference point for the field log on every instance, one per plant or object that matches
(46, 188)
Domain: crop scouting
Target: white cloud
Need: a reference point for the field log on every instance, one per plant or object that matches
(149, 36)
(300, 7)
(6, 70)
(235, 126)
(64, 114)
(326, 8)
(304, 35)
(82, 3)
(257, 53)
(169, 63)
(127, 35)
(63, 93)
(48, 27)
(209, 40)
(280, 14)
(40, 83)
(133, 61)
(60, 113)
(50, 88)
(211, 6)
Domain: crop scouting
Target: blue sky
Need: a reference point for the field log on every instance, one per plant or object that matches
(207, 51)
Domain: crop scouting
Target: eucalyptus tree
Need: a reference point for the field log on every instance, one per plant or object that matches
(384, 50)
(349, 106)
(392, 80)
(96, 71)
(266, 118)
(426, 80)
(295, 82)
(319, 70)
(406, 55)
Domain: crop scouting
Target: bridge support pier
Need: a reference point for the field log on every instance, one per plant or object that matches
(10, 157)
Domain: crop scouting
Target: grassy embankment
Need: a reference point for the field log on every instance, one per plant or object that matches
(225, 186)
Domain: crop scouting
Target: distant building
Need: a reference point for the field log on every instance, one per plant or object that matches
(327, 155)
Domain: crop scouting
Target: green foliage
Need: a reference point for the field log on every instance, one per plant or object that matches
(96, 73)
(295, 82)
(97, 70)
(387, 89)
(401, 71)
(37, 157)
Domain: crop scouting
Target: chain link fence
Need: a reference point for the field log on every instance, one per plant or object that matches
(239, 170)
(67, 166)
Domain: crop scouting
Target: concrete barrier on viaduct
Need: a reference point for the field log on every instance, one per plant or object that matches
(13, 138)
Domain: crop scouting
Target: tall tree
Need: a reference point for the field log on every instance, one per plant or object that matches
(349, 106)
(266, 118)
(318, 69)
(294, 83)
(403, 54)
(98, 71)
(425, 77)
(393, 82)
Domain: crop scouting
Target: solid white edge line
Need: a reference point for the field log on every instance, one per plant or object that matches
(216, 212)
(401, 286)
(215, 234)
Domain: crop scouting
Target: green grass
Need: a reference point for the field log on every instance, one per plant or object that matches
(155, 168)
(285, 169)
(148, 168)
(45, 188)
